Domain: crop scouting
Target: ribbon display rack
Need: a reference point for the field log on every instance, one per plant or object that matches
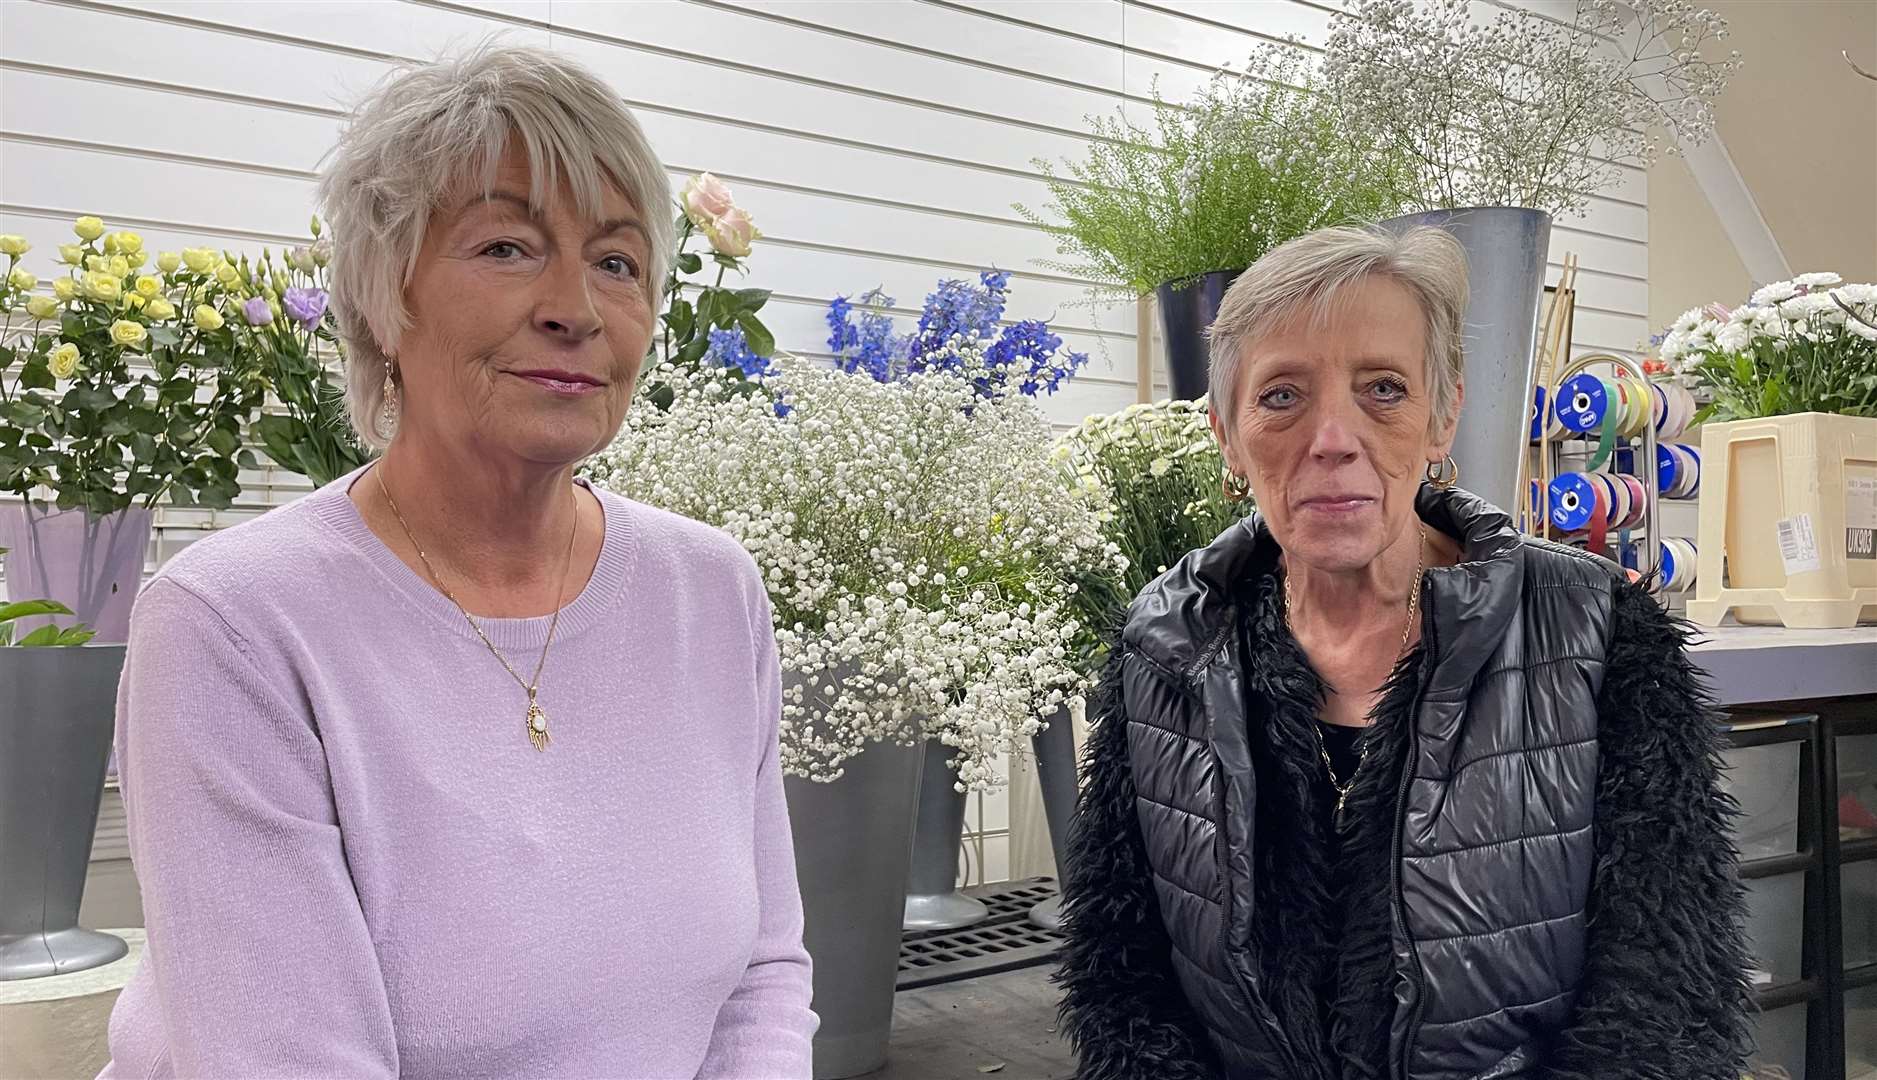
(1603, 409)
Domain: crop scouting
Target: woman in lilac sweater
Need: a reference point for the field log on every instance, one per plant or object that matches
(459, 767)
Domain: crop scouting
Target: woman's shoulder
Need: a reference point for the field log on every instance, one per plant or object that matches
(680, 553)
(276, 553)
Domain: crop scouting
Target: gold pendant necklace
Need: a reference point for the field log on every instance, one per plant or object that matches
(1344, 787)
(535, 719)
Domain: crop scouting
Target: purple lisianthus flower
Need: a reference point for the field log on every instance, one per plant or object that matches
(306, 306)
(257, 312)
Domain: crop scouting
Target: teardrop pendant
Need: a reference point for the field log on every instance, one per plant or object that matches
(537, 724)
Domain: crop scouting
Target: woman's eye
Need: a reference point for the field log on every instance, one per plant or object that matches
(1390, 390)
(1281, 398)
(502, 249)
(620, 266)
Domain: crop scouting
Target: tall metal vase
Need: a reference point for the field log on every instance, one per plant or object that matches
(1506, 248)
(91, 564)
(933, 901)
(1186, 311)
(56, 707)
(1056, 774)
(853, 838)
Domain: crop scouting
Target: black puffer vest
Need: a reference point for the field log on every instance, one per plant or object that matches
(1491, 858)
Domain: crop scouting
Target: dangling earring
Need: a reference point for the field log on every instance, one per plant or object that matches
(1444, 475)
(1237, 489)
(388, 403)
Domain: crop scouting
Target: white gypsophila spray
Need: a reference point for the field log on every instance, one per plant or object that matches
(1523, 109)
(915, 540)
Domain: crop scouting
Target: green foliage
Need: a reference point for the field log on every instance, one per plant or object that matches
(48, 636)
(1256, 159)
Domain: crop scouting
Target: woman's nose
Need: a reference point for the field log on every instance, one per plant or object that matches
(564, 307)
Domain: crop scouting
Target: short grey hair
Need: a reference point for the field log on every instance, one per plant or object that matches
(1305, 276)
(430, 130)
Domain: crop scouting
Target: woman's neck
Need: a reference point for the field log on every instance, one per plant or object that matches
(1345, 605)
(497, 535)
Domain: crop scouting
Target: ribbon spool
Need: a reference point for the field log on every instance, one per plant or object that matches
(1678, 564)
(1675, 411)
(1575, 499)
(1549, 417)
(1677, 470)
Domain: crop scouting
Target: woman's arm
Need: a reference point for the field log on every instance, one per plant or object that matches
(1664, 995)
(258, 950)
(764, 1031)
(1122, 1005)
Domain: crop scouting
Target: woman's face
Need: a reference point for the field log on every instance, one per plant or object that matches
(1333, 426)
(527, 330)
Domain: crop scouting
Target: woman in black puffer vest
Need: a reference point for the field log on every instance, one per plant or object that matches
(1380, 788)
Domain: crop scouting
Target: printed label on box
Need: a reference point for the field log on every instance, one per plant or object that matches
(1860, 517)
(1798, 547)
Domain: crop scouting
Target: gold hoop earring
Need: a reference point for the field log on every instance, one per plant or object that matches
(1236, 488)
(1444, 475)
(388, 403)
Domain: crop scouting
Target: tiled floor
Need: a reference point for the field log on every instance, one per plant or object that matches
(1002, 1026)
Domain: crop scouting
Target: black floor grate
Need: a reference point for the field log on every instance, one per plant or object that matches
(1005, 941)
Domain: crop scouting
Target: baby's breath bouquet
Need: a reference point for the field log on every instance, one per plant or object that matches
(1525, 109)
(1258, 157)
(915, 539)
(1805, 345)
(1155, 471)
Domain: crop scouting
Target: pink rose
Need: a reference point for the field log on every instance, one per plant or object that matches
(706, 199)
(732, 233)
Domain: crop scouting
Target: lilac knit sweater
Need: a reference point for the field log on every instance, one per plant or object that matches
(355, 865)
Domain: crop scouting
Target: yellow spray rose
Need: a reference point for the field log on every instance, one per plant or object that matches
(208, 318)
(201, 260)
(103, 287)
(160, 308)
(128, 333)
(228, 275)
(88, 228)
(135, 301)
(149, 286)
(14, 245)
(63, 361)
(138, 258)
(168, 262)
(71, 255)
(65, 289)
(42, 307)
(22, 278)
(97, 264)
(128, 243)
(120, 266)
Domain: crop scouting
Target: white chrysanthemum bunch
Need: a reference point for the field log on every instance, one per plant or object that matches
(1805, 345)
(1524, 109)
(914, 539)
(1156, 470)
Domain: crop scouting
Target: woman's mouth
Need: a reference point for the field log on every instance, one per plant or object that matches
(570, 383)
(1338, 504)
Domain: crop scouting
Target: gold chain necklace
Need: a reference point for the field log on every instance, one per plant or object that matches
(536, 718)
(1344, 787)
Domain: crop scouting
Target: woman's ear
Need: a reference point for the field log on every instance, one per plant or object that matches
(1441, 445)
(1225, 445)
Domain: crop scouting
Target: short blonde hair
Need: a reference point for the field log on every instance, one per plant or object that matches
(432, 129)
(1305, 275)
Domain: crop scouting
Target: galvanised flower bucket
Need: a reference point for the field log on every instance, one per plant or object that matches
(853, 840)
(1506, 250)
(56, 714)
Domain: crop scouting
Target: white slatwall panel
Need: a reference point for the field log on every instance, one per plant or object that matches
(877, 143)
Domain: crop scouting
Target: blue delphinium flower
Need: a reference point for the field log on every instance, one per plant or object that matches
(731, 349)
(868, 345)
(958, 308)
